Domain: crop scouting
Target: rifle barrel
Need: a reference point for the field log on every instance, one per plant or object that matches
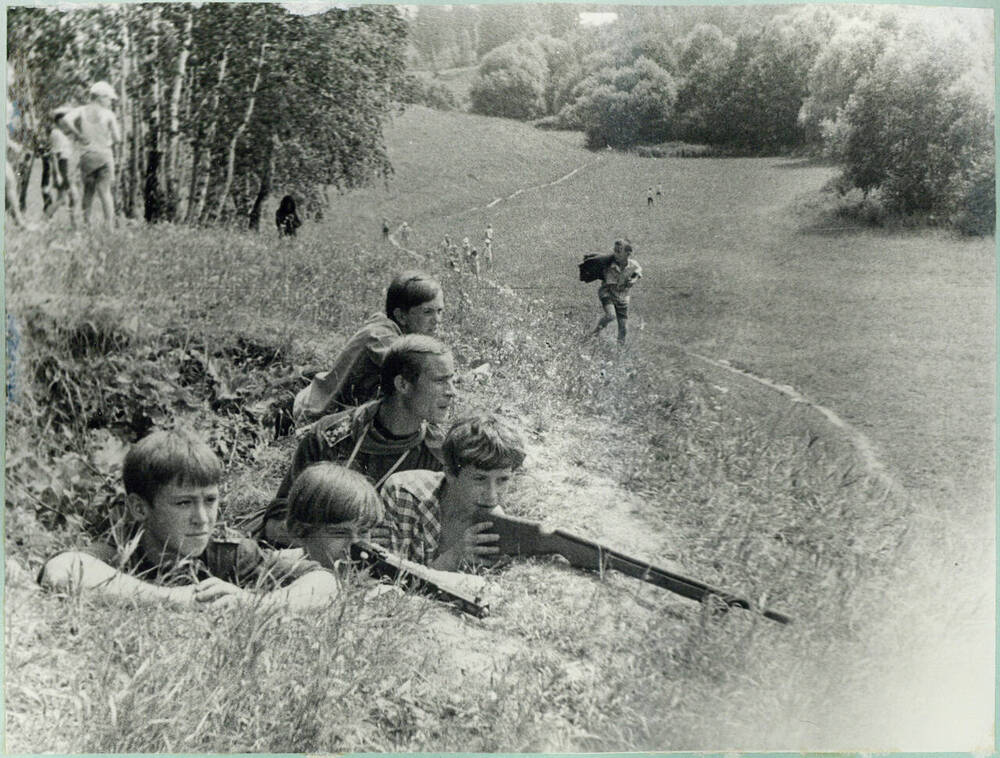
(524, 537)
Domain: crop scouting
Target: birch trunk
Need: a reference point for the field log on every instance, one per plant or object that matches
(227, 182)
(171, 178)
(201, 169)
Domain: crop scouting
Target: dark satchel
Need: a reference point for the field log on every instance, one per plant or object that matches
(593, 266)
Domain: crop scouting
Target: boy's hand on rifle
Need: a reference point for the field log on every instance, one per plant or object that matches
(476, 546)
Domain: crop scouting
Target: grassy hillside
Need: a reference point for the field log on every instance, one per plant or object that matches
(643, 448)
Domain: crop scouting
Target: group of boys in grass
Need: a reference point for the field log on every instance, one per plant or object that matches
(372, 460)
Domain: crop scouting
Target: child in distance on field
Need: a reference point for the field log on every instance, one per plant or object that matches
(173, 554)
(615, 290)
(649, 197)
(488, 245)
(474, 261)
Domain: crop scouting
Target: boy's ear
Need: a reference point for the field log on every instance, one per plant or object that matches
(401, 383)
(137, 506)
(399, 316)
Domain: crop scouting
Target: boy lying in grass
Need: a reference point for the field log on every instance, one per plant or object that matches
(172, 496)
(440, 519)
(329, 507)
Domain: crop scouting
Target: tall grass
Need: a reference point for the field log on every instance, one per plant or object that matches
(749, 496)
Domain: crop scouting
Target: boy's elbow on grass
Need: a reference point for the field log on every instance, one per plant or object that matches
(317, 589)
(74, 569)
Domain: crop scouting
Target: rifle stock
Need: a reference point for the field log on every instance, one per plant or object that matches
(381, 563)
(524, 537)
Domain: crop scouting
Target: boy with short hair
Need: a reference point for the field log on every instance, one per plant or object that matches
(616, 286)
(329, 507)
(172, 555)
(441, 519)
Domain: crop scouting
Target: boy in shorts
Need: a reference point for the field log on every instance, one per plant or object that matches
(615, 289)
(441, 519)
(96, 127)
(172, 552)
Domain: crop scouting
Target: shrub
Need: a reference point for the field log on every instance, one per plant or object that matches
(511, 82)
(624, 107)
(432, 93)
(920, 129)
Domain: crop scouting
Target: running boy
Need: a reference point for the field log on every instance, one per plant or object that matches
(172, 554)
(441, 519)
(615, 289)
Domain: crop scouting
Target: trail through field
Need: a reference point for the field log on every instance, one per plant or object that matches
(893, 334)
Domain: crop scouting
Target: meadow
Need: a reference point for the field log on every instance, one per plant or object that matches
(647, 449)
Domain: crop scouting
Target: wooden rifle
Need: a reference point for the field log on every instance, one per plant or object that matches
(519, 536)
(437, 584)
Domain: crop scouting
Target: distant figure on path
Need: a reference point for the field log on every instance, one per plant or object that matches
(96, 127)
(614, 293)
(414, 304)
(285, 218)
(63, 167)
(649, 197)
(404, 232)
(385, 230)
(488, 245)
(474, 261)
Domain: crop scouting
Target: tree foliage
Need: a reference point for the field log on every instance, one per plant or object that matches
(621, 107)
(512, 81)
(219, 102)
(919, 127)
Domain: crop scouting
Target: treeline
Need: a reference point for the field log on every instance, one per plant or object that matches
(443, 37)
(221, 104)
(903, 97)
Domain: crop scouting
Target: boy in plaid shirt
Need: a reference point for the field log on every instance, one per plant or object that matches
(441, 519)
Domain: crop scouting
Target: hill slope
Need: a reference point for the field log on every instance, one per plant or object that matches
(640, 448)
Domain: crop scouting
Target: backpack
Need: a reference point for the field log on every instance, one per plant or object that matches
(593, 265)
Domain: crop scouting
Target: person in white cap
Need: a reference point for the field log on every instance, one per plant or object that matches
(96, 128)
